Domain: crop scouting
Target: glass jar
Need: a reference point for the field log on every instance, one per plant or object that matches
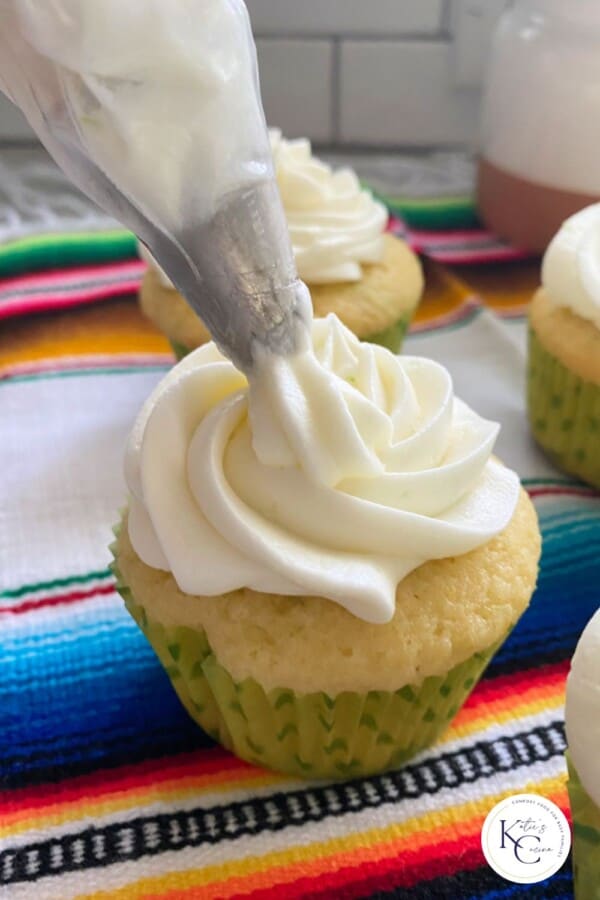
(540, 149)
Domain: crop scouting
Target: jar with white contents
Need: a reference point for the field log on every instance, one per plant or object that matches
(540, 159)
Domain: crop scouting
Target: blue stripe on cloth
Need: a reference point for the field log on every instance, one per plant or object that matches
(478, 884)
(87, 692)
(567, 594)
(82, 688)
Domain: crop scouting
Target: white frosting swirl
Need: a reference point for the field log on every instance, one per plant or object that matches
(333, 473)
(571, 266)
(335, 225)
(582, 712)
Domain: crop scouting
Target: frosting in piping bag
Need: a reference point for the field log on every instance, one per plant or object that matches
(571, 266)
(333, 473)
(335, 225)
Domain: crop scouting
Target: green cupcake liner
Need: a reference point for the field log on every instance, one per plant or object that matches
(586, 838)
(564, 413)
(180, 350)
(391, 338)
(311, 735)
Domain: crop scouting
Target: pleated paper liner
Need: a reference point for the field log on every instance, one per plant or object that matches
(391, 337)
(564, 413)
(310, 735)
(586, 838)
(180, 350)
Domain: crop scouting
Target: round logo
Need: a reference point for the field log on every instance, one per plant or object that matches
(525, 838)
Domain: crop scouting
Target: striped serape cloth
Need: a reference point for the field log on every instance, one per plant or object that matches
(42, 272)
(108, 790)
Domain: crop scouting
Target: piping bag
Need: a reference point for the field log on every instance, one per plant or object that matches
(152, 108)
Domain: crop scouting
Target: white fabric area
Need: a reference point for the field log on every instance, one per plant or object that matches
(63, 440)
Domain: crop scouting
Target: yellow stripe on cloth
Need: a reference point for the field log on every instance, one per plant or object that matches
(111, 327)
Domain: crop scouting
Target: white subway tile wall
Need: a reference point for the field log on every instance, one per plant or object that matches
(403, 94)
(297, 85)
(336, 18)
(369, 73)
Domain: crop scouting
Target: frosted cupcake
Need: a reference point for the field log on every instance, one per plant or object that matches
(582, 716)
(371, 280)
(325, 559)
(564, 349)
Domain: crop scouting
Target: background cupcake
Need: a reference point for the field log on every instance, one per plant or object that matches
(324, 593)
(564, 349)
(582, 717)
(371, 280)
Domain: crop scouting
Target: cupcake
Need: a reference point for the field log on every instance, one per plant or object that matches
(324, 558)
(371, 280)
(564, 349)
(582, 715)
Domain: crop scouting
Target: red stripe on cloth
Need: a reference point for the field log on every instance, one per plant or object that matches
(441, 245)
(202, 763)
(472, 255)
(512, 685)
(443, 238)
(68, 287)
(437, 859)
(567, 490)
(61, 277)
(56, 600)
(57, 301)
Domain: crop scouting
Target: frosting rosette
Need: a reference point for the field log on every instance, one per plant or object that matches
(335, 225)
(582, 708)
(571, 266)
(331, 473)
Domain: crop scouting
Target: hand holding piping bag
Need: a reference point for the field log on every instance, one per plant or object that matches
(153, 109)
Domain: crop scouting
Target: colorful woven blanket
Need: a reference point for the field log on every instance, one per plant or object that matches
(108, 790)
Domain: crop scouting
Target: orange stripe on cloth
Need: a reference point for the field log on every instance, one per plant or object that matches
(444, 294)
(504, 289)
(500, 287)
(522, 698)
(313, 860)
(112, 327)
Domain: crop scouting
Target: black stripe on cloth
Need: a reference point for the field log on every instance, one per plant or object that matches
(151, 743)
(511, 663)
(153, 835)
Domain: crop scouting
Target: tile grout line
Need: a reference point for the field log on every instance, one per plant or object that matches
(335, 87)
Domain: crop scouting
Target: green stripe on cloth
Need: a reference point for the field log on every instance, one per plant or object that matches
(82, 373)
(433, 213)
(50, 251)
(15, 593)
